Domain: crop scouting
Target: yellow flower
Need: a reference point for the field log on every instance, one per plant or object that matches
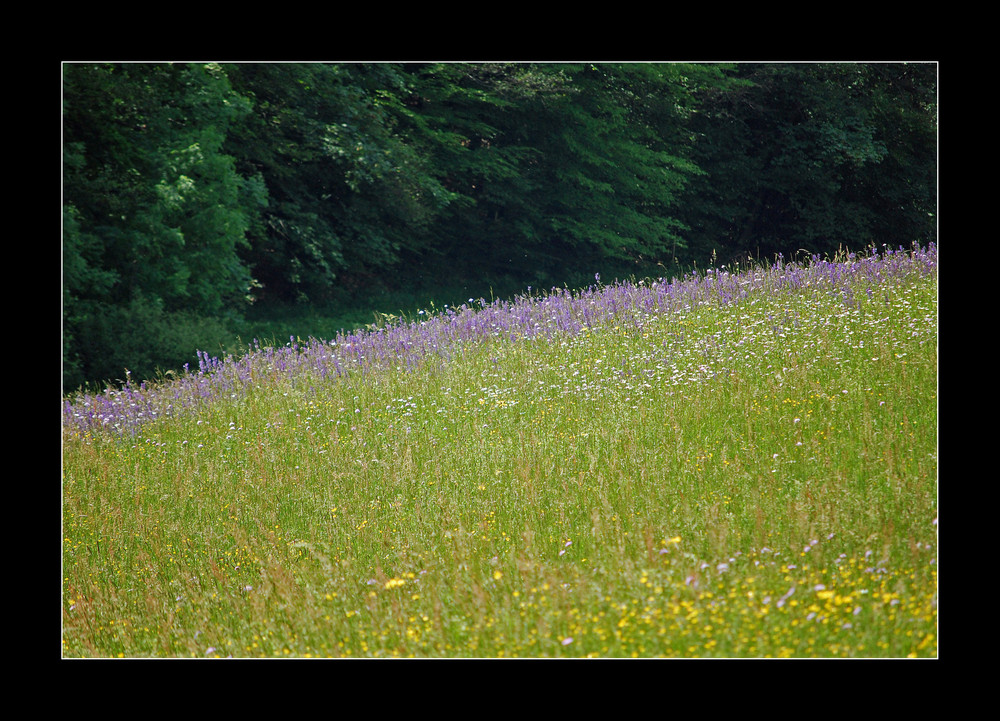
(394, 583)
(497, 575)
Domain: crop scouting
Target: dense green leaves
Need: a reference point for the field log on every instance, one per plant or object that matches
(816, 157)
(146, 177)
(191, 190)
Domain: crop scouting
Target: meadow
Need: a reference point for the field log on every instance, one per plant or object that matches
(738, 463)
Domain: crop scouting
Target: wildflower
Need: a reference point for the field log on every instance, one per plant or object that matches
(395, 583)
(788, 594)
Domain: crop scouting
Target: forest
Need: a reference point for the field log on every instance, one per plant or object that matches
(197, 196)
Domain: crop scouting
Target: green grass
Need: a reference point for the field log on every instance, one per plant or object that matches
(755, 479)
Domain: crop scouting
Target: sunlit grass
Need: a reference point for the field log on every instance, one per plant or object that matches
(720, 479)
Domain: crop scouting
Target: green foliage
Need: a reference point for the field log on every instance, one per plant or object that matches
(203, 188)
(348, 182)
(142, 339)
(86, 280)
(145, 176)
(566, 166)
(814, 157)
(154, 214)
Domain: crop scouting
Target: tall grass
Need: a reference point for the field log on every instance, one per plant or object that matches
(730, 464)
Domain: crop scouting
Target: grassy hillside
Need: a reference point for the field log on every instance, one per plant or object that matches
(734, 464)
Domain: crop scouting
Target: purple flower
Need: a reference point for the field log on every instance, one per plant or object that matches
(405, 344)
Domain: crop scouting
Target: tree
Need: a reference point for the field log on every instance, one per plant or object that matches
(814, 157)
(145, 177)
(620, 160)
(349, 190)
(563, 166)
(154, 212)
